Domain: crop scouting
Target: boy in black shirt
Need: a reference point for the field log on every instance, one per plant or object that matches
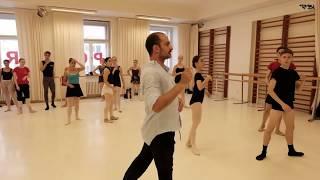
(282, 86)
(47, 68)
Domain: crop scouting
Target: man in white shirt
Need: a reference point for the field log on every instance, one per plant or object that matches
(162, 106)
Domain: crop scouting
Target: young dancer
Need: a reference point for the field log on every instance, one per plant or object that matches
(47, 68)
(108, 92)
(271, 68)
(100, 75)
(7, 86)
(176, 73)
(21, 79)
(74, 92)
(162, 111)
(196, 102)
(118, 83)
(135, 72)
(282, 86)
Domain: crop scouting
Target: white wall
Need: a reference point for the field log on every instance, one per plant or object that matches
(241, 36)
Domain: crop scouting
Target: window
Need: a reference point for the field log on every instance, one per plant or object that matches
(96, 43)
(169, 32)
(9, 48)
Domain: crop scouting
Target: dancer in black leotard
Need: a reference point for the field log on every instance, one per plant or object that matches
(118, 83)
(108, 92)
(135, 72)
(100, 68)
(196, 101)
(176, 72)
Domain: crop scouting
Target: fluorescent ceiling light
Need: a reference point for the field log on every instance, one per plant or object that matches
(153, 18)
(80, 11)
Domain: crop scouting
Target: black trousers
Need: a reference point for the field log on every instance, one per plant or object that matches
(48, 82)
(161, 150)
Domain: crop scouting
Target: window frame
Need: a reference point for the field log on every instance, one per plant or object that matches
(6, 16)
(106, 41)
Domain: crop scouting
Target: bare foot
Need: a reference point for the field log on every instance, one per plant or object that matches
(120, 111)
(69, 122)
(7, 110)
(114, 118)
(108, 121)
(78, 118)
(261, 129)
(195, 151)
(279, 133)
(32, 111)
(188, 144)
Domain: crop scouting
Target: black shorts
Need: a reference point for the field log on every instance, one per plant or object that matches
(269, 99)
(100, 79)
(276, 106)
(24, 92)
(135, 80)
(74, 92)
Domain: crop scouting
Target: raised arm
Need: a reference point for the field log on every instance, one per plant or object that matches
(162, 101)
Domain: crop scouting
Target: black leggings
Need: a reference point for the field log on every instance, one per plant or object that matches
(161, 150)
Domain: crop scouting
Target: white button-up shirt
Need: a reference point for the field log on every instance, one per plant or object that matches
(156, 81)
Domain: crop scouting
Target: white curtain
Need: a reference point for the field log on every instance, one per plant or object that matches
(132, 35)
(184, 42)
(60, 33)
(68, 43)
(30, 42)
(194, 39)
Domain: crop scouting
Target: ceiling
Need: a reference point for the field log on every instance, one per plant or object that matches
(179, 10)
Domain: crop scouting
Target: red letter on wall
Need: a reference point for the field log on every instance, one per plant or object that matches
(98, 57)
(13, 55)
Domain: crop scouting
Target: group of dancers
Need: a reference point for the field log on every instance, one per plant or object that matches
(164, 101)
(164, 98)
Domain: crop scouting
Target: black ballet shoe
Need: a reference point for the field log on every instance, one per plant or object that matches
(261, 157)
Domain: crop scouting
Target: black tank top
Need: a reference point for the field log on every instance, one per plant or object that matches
(101, 69)
(48, 71)
(135, 72)
(110, 77)
(6, 75)
(116, 77)
(178, 77)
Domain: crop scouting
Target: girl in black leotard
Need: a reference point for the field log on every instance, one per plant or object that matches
(118, 83)
(176, 73)
(135, 72)
(100, 68)
(196, 101)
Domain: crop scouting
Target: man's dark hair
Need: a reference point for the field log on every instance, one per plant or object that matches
(47, 53)
(153, 39)
(280, 48)
(6, 61)
(21, 59)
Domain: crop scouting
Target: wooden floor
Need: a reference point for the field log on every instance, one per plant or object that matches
(40, 147)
